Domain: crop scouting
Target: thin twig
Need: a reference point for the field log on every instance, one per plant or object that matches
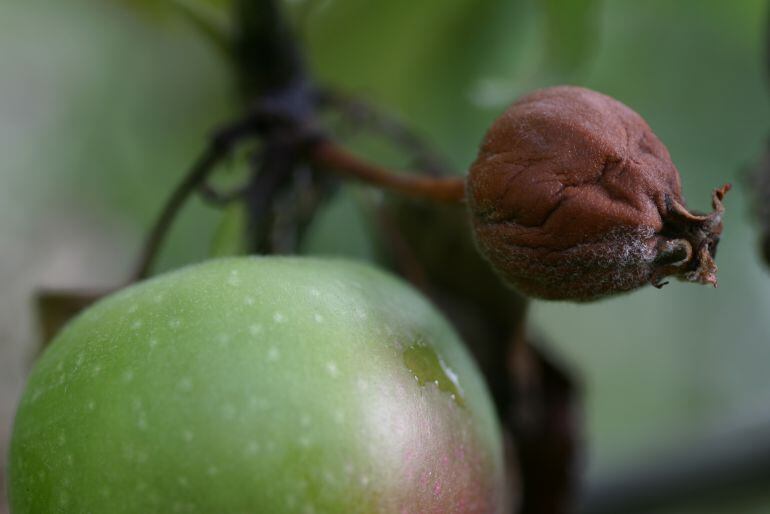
(209, 22)
(295, 209)
(331, 156)
(203, 166)
(219, 198)
(367, 116)
(255, 122)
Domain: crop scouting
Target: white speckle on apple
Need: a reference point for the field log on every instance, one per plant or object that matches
(255, 329)
(175, 323)
(273, 354)
(248, 300)
(188, 436)
(136, 324)
(233, 279)
(318, 318)
(278, 317)
(128, 376)
(331, 368)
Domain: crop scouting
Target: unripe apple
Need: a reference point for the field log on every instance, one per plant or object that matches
(258, 385)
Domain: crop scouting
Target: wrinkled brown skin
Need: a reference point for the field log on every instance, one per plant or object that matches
(572, 197)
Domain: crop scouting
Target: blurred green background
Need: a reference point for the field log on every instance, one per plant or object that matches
(103, 106)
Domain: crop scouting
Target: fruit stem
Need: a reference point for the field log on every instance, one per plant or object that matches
(329, 155)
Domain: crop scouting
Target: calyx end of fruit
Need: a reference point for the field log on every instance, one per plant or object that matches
(689, 242)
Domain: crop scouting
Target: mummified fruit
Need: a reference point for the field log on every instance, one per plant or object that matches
(572, 197)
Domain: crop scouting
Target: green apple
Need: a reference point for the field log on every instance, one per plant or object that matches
(258, 385)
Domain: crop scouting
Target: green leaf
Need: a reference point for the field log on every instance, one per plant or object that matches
(212, 18)
(165, 7)
(229, 236)
(423, 60)
(571, 32)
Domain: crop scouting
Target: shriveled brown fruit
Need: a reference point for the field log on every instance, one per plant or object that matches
(572, 197)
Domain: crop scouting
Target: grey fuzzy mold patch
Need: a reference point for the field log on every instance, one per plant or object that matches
(620, 261)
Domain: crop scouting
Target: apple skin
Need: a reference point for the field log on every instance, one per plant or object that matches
(258, 385)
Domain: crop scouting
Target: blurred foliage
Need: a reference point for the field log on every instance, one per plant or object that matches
(160, 9)
(101, 111)
(571, 27)
(228, 238)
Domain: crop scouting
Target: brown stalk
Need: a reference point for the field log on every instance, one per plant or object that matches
(331, 156)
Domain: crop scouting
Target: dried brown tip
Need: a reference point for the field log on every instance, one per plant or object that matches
(706, 271)
(699, 232)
